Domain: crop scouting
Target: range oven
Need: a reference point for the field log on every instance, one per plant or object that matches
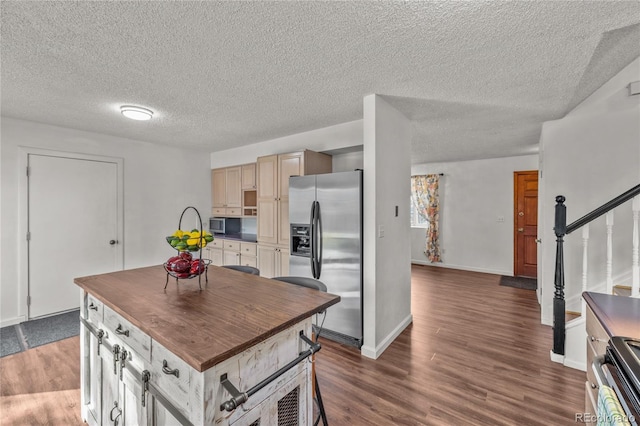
(619, 369)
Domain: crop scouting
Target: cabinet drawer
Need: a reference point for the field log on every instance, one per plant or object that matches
(129, 334)
(248, 249)
(170, 374)
(596, 334)
(232, 245)
(590, 403)
(95, 309)
(249, 261)
(219, 211)
(217, 243)
(235, 211)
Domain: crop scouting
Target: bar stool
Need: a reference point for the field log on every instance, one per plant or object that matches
(243, 268)
(320, 286)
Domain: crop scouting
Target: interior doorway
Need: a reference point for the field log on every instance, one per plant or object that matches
(525, 223)
(74, 226)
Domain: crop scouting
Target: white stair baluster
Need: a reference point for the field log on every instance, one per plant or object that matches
(635, 251)
(609, 222)
(585, 268)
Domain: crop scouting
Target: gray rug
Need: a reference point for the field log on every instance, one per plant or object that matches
(10, 341)
(34, 333)
(519, 282)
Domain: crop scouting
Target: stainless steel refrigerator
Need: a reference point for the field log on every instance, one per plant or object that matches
(325, 215)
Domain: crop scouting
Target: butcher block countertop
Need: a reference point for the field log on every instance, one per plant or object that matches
(619, 315)
(233, 312)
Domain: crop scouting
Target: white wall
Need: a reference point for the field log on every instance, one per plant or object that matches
(328, 138)
(590, 156)
(159, 182)
(387, 272)
(348, 162)
(473, 195)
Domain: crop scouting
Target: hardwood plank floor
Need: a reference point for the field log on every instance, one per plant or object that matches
(475, 354)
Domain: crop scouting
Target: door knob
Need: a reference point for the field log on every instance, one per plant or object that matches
(520, 229)
(112, 242)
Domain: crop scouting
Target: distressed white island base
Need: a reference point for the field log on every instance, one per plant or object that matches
(154, 357)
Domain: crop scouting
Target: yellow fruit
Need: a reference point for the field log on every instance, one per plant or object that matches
(195, 234)
(192, 241)
(178, 233)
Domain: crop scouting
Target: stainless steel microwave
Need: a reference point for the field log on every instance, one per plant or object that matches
(225, 225)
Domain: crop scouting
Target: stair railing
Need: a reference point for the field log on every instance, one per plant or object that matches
(561, 229)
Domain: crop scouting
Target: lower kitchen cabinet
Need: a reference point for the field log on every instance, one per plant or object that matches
(231, 252)
(273, 261)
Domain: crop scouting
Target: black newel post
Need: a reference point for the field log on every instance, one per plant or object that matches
(560, 229)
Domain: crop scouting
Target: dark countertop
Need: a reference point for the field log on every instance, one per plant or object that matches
(232, 313)
(620, 316)
(248, 238)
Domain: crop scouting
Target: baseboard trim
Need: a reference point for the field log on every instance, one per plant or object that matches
(576, 365)
(556, 357)
(464, 268)
(374, 353)
(13, 321)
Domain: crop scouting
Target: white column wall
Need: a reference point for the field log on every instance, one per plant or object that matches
(387, 273)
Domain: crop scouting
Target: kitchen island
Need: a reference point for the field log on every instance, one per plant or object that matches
(175, 356)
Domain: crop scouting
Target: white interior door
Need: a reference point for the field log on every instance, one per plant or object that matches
(73, 228)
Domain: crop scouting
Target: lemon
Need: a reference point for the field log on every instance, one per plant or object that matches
(178, 233)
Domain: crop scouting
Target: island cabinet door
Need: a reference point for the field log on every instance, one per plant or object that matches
(135, 412)
(92, 377)
(111, 411)
(287, 406)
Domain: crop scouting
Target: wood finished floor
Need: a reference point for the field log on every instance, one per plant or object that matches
(475, 354)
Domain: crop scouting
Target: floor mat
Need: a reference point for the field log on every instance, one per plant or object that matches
(519, 282)
(10, 341)
(46, 330)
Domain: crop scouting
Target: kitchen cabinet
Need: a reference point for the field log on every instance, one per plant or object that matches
(150, 368)
(249, 176)
(606, 316)
(231, 252)
(273, 261)
(214, 252)
(273, 174)
(226, 191)
(249, 190)
(111, 394)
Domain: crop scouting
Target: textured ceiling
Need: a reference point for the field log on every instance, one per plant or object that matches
(476, 78)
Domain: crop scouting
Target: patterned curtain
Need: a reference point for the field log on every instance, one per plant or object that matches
(424, 194)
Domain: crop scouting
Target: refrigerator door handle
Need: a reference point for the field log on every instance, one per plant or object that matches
(319, 238)
(312, 236)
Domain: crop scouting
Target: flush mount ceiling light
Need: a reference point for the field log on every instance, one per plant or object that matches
(136, 113)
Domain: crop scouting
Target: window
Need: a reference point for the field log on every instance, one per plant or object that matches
(417, 220)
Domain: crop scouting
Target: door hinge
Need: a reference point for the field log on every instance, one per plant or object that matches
(27, 171)
(28, 300)
(28, 236)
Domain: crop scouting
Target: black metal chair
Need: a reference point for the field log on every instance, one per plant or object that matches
(243, 268)
(320, 286)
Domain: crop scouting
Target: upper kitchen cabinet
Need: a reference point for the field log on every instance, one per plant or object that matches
(226, 191)
(273, 174)
(249, 190)
(249, 176)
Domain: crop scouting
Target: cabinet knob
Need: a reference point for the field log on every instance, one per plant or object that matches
(593, 385)
(93, 307)
(593, 339)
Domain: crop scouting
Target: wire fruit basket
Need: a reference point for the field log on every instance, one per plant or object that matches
(186, 266)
